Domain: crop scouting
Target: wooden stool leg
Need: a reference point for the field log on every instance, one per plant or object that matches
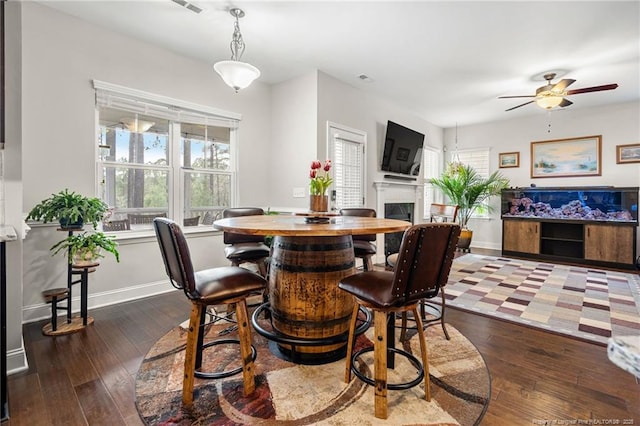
(244, 332)
(423, 351)
(351, 342)
(403, 330)
(380, 364)
(190, 354)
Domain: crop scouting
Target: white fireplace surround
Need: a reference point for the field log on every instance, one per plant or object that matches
(397, 192)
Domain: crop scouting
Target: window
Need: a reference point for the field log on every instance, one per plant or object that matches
(346, 150)
(431, 166)
(477, 158)
(163, 157)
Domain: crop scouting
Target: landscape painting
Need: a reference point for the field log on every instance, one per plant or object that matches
(628, 153)
(566, 157)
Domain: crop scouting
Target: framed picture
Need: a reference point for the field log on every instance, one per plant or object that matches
(509, 159)
(628, 153)
(566, 157)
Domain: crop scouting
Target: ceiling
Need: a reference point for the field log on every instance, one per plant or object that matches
(445, 61)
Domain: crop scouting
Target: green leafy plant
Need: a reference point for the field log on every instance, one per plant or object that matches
(87, 246)
(465, 187)
(320, 181)
(70, 209)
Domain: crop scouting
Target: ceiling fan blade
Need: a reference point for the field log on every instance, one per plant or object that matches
(518, 106)
(565, 103)
(562, 84)
(517, 96)
(592, 89)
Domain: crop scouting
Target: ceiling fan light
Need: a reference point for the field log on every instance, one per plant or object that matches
(236, 74)
(136, 126)
(549, 101)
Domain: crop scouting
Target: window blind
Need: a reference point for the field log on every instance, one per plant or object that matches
(476, 158)
(348, 168)
(137, 101)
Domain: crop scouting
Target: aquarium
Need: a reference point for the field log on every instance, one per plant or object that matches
(589, 203)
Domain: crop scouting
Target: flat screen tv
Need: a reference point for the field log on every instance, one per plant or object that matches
(402, 152)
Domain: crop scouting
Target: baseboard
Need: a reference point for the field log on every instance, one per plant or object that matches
(17, 361)
(42, 311)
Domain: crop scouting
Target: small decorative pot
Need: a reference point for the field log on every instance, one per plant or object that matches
(86, 257)
(319, 203)
(465, 240)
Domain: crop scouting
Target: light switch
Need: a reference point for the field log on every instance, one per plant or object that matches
(299, 192)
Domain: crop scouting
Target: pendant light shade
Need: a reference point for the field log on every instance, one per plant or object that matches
(236, 74)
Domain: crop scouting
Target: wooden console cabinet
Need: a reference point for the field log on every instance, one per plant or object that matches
(595, 243)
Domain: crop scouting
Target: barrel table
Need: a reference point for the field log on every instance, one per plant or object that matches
(308, 312)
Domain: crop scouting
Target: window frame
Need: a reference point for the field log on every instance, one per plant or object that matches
(174, 111)
(337, 132)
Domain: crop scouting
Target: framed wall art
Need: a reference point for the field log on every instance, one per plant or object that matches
(509, 159)
(567, 157)
(628, 153)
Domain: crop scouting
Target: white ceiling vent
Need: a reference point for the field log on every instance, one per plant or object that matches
(191, 6)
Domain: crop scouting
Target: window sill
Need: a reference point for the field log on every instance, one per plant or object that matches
(143, 235)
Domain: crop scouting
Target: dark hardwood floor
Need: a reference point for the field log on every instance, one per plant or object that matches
(88, 377)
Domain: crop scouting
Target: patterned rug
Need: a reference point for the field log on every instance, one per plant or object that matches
(292, 394)
(580, 302)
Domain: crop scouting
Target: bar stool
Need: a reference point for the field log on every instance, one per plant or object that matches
(228, 285)
(424, 262)
(245, 248)
(364, 246)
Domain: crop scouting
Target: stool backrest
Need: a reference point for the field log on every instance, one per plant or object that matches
(361, 212)
(176, 256)
(424, 261)
(138, 219)
(443, 212)
(116, 225)
(234, 238)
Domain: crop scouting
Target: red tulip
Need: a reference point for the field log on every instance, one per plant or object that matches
(312, 173)
(327, 165)
(316, 164)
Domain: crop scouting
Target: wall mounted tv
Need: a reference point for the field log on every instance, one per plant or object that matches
(402, 152)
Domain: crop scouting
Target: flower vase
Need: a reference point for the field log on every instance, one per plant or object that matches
(319, 203)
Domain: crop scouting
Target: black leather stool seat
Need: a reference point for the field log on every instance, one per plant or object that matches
(363, 248)
(246, 252)
(225, 282)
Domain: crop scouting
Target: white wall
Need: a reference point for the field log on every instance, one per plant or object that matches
(294, 111)
(13, 172)
(61, 56)
(344, 104)
(618, 124)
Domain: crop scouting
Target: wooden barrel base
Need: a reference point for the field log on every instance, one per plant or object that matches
(66, 328)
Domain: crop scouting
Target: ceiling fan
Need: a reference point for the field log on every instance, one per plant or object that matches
(553, 95)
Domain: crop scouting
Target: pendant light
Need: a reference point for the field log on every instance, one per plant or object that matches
(236, 74)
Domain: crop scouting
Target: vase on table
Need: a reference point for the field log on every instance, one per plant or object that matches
(319, 203)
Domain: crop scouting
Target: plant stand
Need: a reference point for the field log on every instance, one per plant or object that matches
(74, 323)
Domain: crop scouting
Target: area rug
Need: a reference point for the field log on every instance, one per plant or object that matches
(293, 394)
(581, 302)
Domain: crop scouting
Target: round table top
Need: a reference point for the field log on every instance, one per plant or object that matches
(288, 225)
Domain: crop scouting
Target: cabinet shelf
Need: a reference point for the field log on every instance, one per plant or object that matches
(561, 239)
(595, 242)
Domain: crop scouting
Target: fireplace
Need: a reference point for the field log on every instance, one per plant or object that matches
(400, 211)
(396, 200)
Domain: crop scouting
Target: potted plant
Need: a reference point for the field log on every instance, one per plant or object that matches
(70, 209)
(86, 248)
(465, 187)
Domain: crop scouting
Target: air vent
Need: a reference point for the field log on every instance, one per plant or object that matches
(191, 6)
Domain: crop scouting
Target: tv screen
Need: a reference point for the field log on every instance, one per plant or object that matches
(402, 150)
